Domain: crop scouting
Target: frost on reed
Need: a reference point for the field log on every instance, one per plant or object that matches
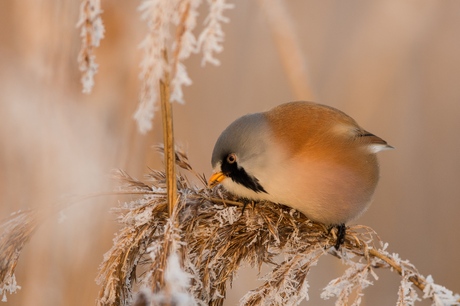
(91, 33)
(162, 17)
(189, 259)
(164, 52)
(15, 233)
(210, 237)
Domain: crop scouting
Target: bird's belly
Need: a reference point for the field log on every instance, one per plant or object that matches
(325, 192)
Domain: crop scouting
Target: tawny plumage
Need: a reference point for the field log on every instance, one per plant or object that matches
(308, 156)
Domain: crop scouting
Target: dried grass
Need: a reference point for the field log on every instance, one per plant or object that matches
(190, 258)
(15, 233)
(213, 238)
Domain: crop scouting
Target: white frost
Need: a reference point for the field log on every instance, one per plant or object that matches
(91, 33)
(211, 38)
(9, 286)
(441, 295)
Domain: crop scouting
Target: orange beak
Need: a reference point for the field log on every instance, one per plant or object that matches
(216, 179)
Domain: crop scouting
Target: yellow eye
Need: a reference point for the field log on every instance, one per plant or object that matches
(231, 158)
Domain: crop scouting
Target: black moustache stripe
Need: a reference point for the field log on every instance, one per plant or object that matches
(240, 176)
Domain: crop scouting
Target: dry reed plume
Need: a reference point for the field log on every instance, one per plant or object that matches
(15, 233)
(210, 237)
(190, 258)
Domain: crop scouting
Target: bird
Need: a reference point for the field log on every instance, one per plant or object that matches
(308, 156)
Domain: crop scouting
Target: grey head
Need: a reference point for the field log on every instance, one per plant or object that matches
(240, 148)
(244, 137)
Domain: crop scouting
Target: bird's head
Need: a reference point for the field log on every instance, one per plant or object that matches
(239, 153)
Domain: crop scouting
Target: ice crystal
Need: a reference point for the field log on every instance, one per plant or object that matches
(154, 64)
(164, 53)
(355, 278)
(439, 294)
(407, 296)
(10, 286)
(91, 33)
(211, 38)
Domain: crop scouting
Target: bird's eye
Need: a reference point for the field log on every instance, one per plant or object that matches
(231, 158)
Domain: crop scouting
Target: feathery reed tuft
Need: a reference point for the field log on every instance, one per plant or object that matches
(91, 33)
(212, 238)
(16, 231)
(188, 258)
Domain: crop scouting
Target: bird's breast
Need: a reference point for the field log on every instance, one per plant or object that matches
(327, 190)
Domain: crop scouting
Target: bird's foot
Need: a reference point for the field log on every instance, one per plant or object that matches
(245, 203)
(341, 231)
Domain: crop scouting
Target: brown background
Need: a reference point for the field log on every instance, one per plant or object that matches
(393, 65)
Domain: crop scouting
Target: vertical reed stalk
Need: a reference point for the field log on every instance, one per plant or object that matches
(168, 137)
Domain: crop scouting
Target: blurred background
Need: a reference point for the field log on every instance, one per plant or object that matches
(392, 65)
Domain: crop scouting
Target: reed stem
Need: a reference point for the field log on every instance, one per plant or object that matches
(168, 137)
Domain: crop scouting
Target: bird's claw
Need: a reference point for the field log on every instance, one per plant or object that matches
(341, 231)
(245, 203)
